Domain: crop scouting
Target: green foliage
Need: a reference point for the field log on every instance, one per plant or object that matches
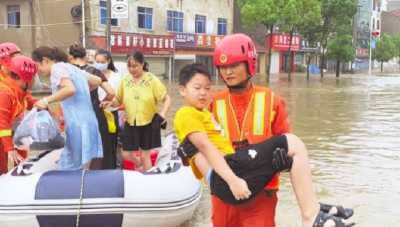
(339, 48)
(396, 41)
(300, 68)
(265, 12)
(300, 14)
(385, 49)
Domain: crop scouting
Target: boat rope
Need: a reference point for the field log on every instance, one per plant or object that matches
(80, 199)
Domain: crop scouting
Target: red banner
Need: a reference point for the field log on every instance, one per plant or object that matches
(281, 42)
(155, 45)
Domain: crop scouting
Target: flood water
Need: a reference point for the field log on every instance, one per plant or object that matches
(351, 127)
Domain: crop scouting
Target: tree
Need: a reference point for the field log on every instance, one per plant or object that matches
(340, 50)
(264, 12)
(335, 13)
(296, 15)
(396, 41)
(385, 50)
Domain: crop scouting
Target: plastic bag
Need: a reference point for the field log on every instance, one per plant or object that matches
(38, 131)
(110, 120)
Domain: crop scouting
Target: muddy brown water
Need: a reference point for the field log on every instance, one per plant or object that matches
(351, 127)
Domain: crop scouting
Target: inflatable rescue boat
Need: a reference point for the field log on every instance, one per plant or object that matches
(37, 194)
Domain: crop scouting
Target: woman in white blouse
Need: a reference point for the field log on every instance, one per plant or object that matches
(105, 64)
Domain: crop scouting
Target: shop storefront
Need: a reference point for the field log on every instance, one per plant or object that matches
(158, 50)
(280, 56)
(195, 48)
(307, 49)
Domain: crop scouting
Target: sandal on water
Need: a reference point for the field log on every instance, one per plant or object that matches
(341, 212)
(323, 217)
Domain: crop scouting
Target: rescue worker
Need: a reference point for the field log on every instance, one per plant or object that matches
(12, 103)
(7, 52)
(248, 114)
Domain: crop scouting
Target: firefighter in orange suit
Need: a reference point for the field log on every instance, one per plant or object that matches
(7, 52)
(248, 114)
(13, 101)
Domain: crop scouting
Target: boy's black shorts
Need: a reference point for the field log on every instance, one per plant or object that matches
(253, 164)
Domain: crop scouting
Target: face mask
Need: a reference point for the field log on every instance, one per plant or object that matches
(101, 66)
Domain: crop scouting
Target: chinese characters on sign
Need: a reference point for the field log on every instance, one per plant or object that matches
(185, 39)
(207, 40)
(281, 42)
(362, 52)
(123, 43)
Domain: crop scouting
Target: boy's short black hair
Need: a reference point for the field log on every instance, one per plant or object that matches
(190, 70)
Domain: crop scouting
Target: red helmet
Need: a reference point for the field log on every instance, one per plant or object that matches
(24, 67)
(236, 48)
(6, 50)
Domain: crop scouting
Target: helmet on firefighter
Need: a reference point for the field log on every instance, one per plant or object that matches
(6, 50)
(24, 67)
(236, 48)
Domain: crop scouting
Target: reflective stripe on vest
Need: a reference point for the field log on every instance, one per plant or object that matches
(222, 117)
(6, 132)
(258, 124)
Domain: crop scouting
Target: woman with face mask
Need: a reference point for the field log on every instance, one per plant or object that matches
(105, 63)
(77, 56)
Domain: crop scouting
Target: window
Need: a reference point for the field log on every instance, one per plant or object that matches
(13, 16)
(222, 26)
(201, 24)
(373, 23)
(174, 21)
(103, 14)
(377, 24)
(145, 17)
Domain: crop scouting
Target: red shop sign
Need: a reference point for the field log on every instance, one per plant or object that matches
(281, 42)
(155, 45)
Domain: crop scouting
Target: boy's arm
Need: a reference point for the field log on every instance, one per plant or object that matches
(237, 185)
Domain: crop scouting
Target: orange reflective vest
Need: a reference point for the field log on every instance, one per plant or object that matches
(257, 120)
(17, 107)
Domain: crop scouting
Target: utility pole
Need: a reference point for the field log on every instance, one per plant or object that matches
(83, 25)
(108, 25)
(370, 38)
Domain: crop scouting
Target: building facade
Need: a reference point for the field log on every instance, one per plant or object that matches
(391, 22)
(152, 27)
(34, 23)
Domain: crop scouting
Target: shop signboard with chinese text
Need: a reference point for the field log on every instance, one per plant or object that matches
(210, 41)
(307, 46)
(185, 39)
(362, 52)
(281, 42)
(150, 45)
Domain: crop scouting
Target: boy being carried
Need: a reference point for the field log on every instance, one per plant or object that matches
(236, 177)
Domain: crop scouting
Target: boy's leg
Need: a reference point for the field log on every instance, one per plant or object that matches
(300, 176)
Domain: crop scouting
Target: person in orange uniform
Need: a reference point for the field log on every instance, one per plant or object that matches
(7, 52)
(248, 114)
(12, 103)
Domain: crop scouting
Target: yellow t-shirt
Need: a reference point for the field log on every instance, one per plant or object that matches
(141, 100)
(189, 119)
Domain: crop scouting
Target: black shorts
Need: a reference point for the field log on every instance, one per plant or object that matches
(143, 137)
(253, 164)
